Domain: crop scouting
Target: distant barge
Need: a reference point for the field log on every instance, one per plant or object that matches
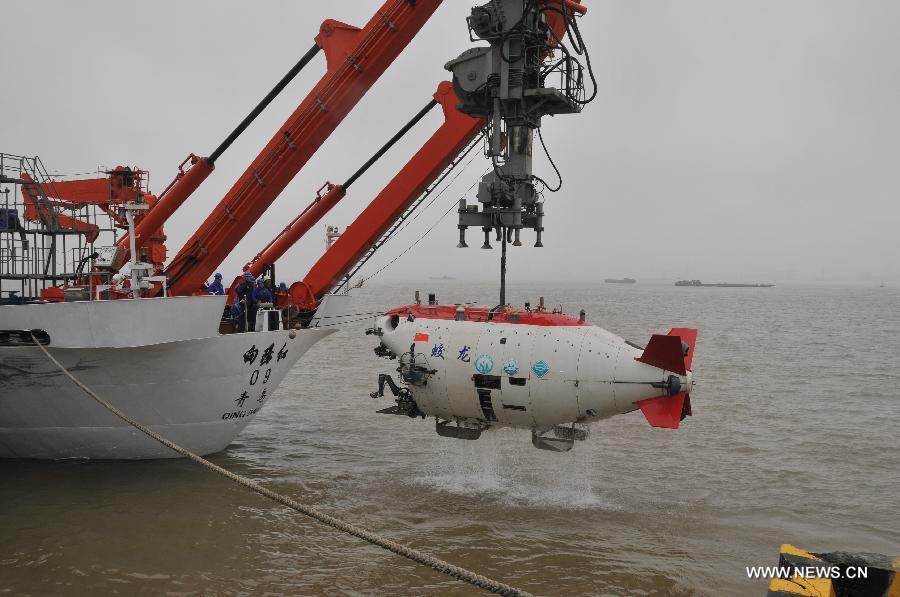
(721, 284)
(620, 281)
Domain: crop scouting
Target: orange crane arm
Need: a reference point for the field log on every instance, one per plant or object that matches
(322, 204)
(184, 184)
(37, 210)
(96, 191)
(421, 170)
(196, 169)
(121, 186)
(355, 58)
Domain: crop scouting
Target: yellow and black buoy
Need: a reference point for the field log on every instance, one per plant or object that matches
(834, 574)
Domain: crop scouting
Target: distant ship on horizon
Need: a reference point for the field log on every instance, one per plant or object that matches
(620, 280)
(441, 278)
(721, 284)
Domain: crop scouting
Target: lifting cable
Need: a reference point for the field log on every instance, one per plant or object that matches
(401, 222)
(415, 555)
(415, 208)
(424, 234)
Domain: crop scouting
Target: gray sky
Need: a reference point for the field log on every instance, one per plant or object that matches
(740, 141)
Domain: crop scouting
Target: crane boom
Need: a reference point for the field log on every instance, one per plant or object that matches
(178, 191)
(189, 180)
(322, 204)
(355, 59)
(421, 170)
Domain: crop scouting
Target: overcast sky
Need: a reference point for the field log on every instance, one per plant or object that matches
(739, 141)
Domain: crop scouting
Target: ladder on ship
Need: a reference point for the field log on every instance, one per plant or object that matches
(34, 251)
(35, 170)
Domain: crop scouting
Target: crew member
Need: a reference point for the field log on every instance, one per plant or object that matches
(9, 221)
(246, 297)
(263, 292)
(216, 286)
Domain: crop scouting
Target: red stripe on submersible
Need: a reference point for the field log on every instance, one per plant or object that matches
(484, 314)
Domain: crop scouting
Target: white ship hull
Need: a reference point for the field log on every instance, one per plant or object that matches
(199, 392)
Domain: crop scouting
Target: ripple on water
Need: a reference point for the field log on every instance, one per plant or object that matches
(793, 439)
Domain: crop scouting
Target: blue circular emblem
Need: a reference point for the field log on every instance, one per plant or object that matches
(484, 364)
(540, 368)
(511, 366)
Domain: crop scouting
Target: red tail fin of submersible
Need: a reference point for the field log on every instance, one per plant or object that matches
(672, 352)
(665, 352)
(664, 411)
(689, 337)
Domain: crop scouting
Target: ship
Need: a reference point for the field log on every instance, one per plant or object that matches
(161, 359)
(620, 280)
(721, 284)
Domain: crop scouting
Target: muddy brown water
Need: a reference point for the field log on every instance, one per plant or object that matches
(794, 439)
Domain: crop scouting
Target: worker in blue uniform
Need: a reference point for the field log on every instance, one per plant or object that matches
(263, 293)
(216, 286)
(246, 298)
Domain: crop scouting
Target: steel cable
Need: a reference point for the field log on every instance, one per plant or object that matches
(424, 234)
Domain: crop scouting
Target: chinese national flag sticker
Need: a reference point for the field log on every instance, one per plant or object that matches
(421, 337)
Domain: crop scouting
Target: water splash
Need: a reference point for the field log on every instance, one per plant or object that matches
(503, 465)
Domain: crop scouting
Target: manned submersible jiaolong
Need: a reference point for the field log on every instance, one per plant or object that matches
(475, 368)
(534, 369)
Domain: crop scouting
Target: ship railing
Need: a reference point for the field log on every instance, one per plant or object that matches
(565, 73)
(30, 261)
(39, 253)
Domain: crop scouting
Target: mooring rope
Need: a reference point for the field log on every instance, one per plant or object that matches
(415, 555)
